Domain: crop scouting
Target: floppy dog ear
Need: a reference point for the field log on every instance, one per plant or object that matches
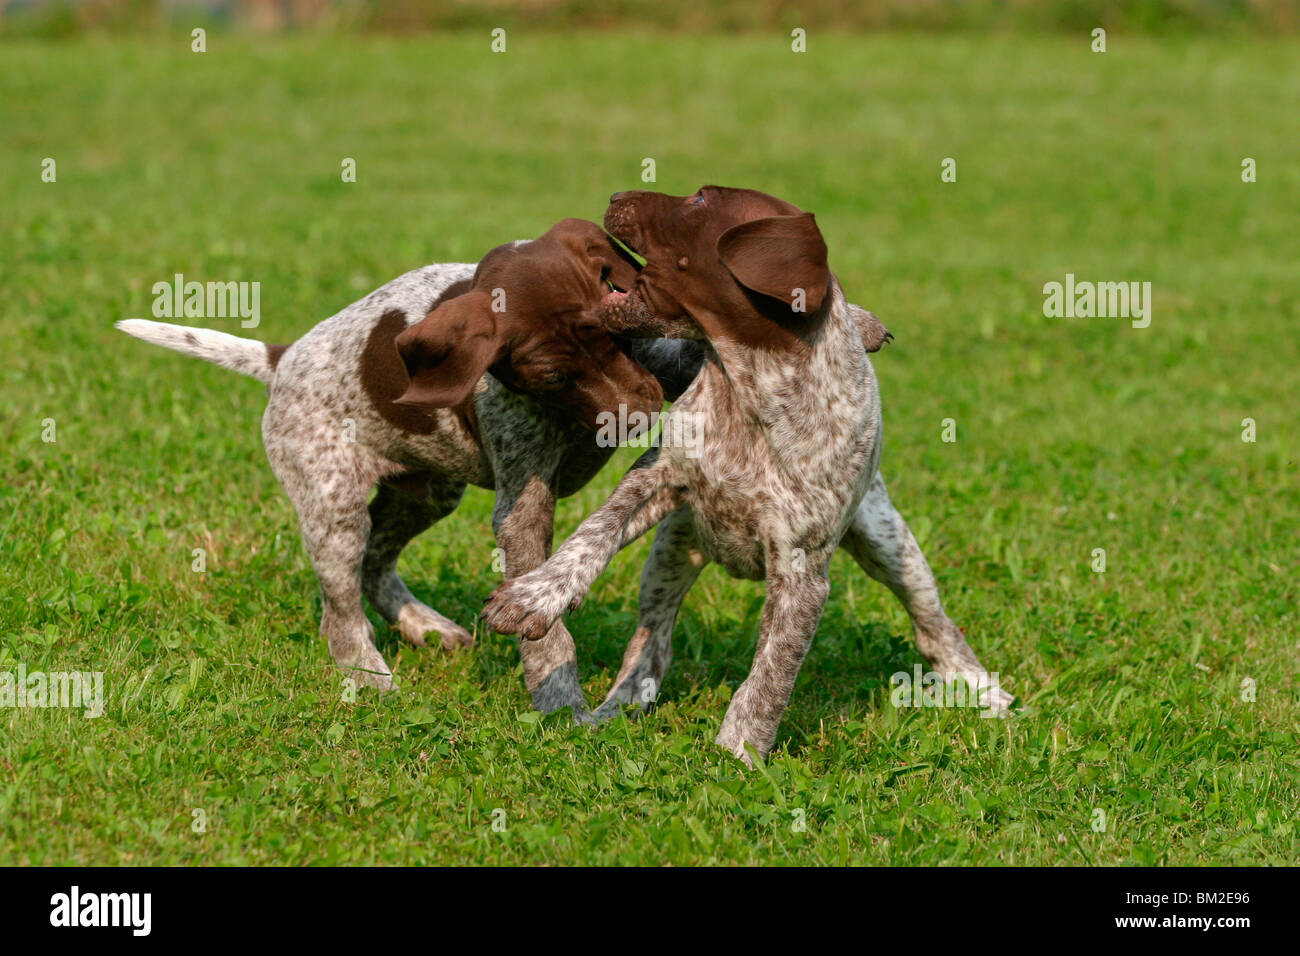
(780, 257)
(635, 396)
(447, 351)
(623, 268)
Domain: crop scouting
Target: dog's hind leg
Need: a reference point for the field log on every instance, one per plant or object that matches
(675, 562)
(397, 516)
(880, 541)
(330, 500)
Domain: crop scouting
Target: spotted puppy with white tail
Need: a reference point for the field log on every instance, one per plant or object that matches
(449, 375)
(786, 425)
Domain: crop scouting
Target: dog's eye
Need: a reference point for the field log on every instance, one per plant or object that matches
(556, 378)
(696, 199)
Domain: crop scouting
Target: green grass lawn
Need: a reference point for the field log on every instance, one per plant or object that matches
(1072, 435)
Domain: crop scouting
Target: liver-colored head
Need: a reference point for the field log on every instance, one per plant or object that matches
(737, 263)
(531, 318)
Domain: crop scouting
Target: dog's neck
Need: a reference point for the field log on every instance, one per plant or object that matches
(773, 387)
(749, 357)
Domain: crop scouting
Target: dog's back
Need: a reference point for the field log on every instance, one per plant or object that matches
(337, 384)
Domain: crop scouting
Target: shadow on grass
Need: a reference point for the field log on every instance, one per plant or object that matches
(845, 675)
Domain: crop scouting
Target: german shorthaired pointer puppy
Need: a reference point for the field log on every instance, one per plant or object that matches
(392, 391)
(787, 427)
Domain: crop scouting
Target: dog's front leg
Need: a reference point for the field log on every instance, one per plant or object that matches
(791, 610)
(524, 524)
(529, 605)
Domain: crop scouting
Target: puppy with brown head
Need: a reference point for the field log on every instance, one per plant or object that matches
(453, 374)
(720, 256)
(531, 318)
(783, 469)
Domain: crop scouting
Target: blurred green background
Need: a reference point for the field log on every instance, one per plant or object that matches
(66, 17)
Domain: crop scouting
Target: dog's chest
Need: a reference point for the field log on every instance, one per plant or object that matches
(776, 471)
(741, 523)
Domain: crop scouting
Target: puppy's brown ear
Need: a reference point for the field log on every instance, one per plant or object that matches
(447, 351)
(874, 335)
(783, 257)
(623, 268)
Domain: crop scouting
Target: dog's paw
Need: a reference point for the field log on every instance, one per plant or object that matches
(618, 707)
(527, 605)
(984, 689)
(632, 697)
(415, 620)
(369, 670)
(560, 689)
(731, 739)
(997, 702)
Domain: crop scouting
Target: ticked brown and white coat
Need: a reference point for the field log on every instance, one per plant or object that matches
(785, 419)
(449, 375)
